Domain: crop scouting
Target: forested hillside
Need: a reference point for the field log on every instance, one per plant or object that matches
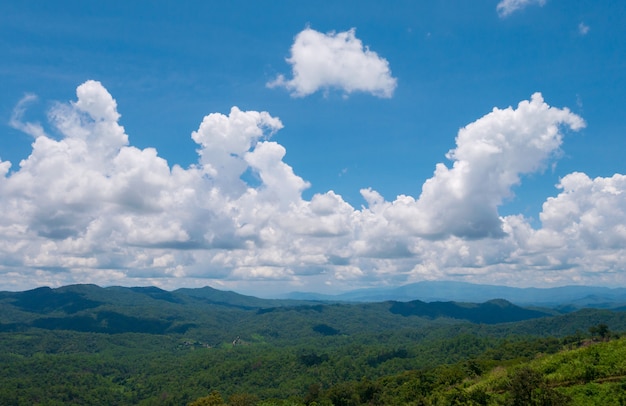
(84, 344)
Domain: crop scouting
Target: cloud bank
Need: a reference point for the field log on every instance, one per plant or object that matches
(508, 7)
(335, 60)
(87, 206)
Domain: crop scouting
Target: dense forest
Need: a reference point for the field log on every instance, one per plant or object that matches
(126, 346)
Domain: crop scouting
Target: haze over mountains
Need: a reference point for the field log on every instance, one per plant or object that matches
(221, 314)
(432, 291)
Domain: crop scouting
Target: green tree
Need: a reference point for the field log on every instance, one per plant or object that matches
(601, 330)
(528, 388)
(243, 399)
(523, 382)
(213, 399)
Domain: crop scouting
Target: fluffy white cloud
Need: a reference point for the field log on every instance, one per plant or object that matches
(335, 60)
(508, 7)
(225, 140)
(582, 235)
(588, 211)
(89, 207)
(490, 156)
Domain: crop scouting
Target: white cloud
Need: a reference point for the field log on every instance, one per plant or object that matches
(581, 238)
(225, 140)
(32, 129)
(508, 7)
(591, 211)
(89, 207)
(583, 29)
(335, 60)
(490, 156)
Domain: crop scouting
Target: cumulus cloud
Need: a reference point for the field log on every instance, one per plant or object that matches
(491, 155)
(592, 211)
(90, 207)
(582, 234)
(335, 60)
(225, 140)
(508, 7)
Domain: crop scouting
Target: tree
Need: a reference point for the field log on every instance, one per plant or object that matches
(524, 381)
(528, 388)
(601, 330)
(213, 399)
(243, 399)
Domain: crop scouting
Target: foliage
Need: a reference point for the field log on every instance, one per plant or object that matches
(144, 346)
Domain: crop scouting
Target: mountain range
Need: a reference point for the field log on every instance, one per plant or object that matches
(125, 345)
(564, 298)
(218, 316)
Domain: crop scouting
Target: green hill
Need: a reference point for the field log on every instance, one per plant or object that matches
(214, 315)
(594, 374)
(83, 344)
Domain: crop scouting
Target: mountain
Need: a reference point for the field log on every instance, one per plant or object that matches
(219, 314)
(566, 297)
(116, 309)
(212, 316)
(227, 298)
(145, 345)
(491, 312)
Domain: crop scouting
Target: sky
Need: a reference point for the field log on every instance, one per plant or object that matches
(275, 146)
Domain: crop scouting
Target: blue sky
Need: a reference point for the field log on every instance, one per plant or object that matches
(332, 184)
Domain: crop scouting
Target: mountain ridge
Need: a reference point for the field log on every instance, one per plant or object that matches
(564, 298)
(116, 309)
(574, 296)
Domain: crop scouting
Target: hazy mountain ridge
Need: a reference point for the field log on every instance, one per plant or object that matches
(491, 312)
(565, 297)
(223, 314)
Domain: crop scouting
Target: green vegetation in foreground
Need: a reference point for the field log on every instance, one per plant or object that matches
(585, 372)
(131, 369)
(594, 374)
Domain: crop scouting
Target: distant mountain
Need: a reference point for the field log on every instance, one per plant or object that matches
(491, 312)
(233, 299)
(221, 314)
(73, 298)
(213, 316)
(116, 309)
(566, 297)
(46, 300)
